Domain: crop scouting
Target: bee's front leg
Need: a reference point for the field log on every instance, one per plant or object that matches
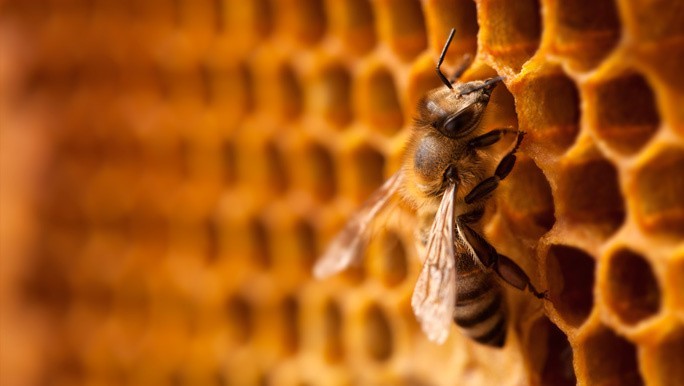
(484, 188)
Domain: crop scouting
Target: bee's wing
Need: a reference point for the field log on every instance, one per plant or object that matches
(434, 297)
(347, 247)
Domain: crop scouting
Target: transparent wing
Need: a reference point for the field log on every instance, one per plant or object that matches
(347, 247)
(434, 297)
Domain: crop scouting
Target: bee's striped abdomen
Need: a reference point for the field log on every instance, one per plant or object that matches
(480, 309)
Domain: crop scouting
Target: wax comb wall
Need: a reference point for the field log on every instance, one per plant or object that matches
(171, 170)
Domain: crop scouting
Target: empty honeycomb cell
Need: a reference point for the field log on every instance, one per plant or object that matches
(666, 358)
(259, 244)
(551, 354)
(402, 26)
(305, 235)
(510, 33)
(213, 239)
(196, 17)
(332, 324)
(377, 101)
(262, 13)
(318, 172)
(377, 339)
(570, 277)
(632, 290)
(589, 193)
(528, 201)
(388, 259)
(304, 20)
(280, 92)
(231, 90)
(442, 16)
(290, 321)
(364, 171)
(240, 318)
(586, 32)
(658, 183)
(668, 25)
(277, 172)
(625, 114)
(354, 23)
(548, 110)
(229, 162)
(220, 15)
(608, 359)
(329, 95)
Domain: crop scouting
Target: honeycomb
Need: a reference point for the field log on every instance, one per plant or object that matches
(171, 169)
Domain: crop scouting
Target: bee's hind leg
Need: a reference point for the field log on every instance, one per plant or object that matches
(512, 274)
(504, 267)
(484, 188)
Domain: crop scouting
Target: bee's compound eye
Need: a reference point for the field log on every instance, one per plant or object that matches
(459, 124)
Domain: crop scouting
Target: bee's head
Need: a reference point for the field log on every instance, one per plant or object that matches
(456, 112)
(446, 117)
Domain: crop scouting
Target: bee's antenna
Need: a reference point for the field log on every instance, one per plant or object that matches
(441, 59)
(488, 84)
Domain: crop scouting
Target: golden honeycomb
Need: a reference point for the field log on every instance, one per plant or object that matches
(172, 168)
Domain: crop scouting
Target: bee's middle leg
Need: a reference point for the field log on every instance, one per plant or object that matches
(505, 268)
(484, 188)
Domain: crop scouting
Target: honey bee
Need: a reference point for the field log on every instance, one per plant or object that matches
(444, 178)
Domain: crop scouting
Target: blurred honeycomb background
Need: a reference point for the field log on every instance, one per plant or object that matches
(172, 168)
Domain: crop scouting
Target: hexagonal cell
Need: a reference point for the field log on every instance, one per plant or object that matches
(213, 239)
(642, 16)
(304, 20)
(291, 332)
(657, 188)
(589, 193)
(259, 244)
(279, 92)
(667, 358)
(388, 258)
(377, 101)
(607, 359)
(318, 172)
(511, 31)
(378, 339)
(364, 171)
(229, 158)
(632, 290)
(278, 176)
(231, 89)
(551, 354)
(526, 195)
(329, 95)
(305, 236)
(402, 26)
(570, 276)
(240, 319)
(586, 32)
(548, 110)
(332, 324)
(354, 22)
(442, 16)
(625, 114)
